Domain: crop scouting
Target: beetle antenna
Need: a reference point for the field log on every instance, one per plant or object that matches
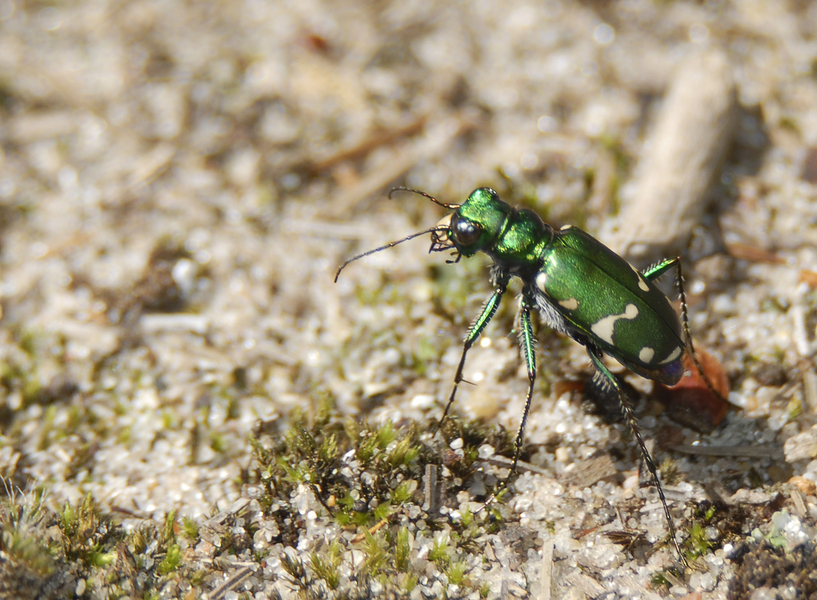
(429, 196)
(386, 247)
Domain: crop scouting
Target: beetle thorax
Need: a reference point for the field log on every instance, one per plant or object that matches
(522, 243)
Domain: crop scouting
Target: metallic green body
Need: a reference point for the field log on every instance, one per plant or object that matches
(580, 286)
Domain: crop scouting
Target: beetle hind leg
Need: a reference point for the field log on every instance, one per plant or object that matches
(611, 381)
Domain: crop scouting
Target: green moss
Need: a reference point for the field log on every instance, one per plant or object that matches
(139, 540)
(91, 546)
(328, 449)
(697, 542)
(168, 420)
(326, 564)
(197, 577)
(439, 552)
(84, 532)
(408, 582)
(169, 530)
(22, 520)
(100, 559)
(456, 573)
(190, 529)
(171, 560)
(659, 580)
(27, 341)
(404, 452)
(294, 567)
(364, 475)
(217, 442)
(402, 550)
(383, 511)
(403, 492)
(375, 549)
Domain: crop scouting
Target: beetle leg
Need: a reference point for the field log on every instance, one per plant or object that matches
(527, 342)
(478, 326)
(655, 272)
(595, 356)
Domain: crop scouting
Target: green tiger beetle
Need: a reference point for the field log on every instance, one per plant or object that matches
(581, 288)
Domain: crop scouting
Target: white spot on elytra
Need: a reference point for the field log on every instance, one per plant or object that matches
(571, 304)
(641, 283)
(674, 356)
(646, 354)
(541, 280)
(603, 329)
(566, 227)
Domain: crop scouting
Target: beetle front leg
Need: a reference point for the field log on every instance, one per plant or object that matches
(602, 371)
(488, 312)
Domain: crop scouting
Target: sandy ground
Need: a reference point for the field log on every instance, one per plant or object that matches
(179, 182)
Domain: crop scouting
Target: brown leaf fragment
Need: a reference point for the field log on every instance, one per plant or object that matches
(691, 402)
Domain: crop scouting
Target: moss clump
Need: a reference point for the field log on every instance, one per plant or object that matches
(85, 534)
(364, 482)
(49, 553)
(22, 524)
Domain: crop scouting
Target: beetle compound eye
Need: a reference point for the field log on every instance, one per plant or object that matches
(466, 232)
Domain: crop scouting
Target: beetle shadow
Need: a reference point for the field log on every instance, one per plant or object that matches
(726, 468)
